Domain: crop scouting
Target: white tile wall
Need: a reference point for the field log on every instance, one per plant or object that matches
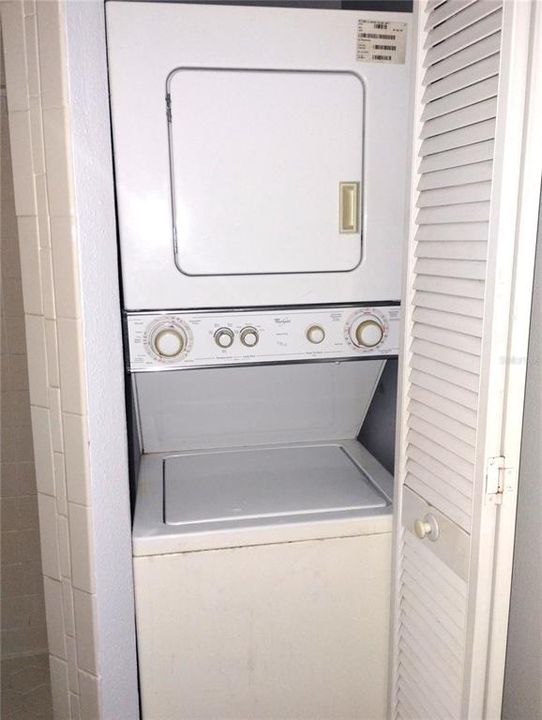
(39, 117)
(43, 449)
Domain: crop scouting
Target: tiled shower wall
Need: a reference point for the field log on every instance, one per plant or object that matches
(39, 117)
(23, 629)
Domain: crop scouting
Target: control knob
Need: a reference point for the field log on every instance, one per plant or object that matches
(315, 334)
(224, 337)
(369, 332)
(169, 342)
(249, 336)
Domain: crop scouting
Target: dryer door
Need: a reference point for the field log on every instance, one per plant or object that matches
(266, 170)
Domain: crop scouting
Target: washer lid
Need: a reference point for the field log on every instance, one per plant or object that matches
(277, 482)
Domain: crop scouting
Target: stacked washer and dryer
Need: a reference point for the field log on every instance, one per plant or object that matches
(260, 158)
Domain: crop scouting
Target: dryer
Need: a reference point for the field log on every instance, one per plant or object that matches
(260, 154)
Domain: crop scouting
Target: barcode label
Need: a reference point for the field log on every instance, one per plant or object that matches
(379, 41)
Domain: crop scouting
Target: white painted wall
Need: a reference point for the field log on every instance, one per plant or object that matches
(523, 676)
(96, 230)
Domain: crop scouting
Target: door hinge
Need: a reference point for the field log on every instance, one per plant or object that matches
(168, 107)
(497, 476)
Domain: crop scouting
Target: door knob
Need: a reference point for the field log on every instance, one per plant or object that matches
(428, 527)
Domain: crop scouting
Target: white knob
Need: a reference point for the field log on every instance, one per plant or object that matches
(316, 334)
(428, 527)
(224, 337)
(169, 342)
(369, 333)
(249, 336)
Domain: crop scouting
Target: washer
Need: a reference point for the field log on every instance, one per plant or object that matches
(258, 572)
(262, 532)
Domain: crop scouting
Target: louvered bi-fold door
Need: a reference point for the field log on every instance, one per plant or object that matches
(472, 64)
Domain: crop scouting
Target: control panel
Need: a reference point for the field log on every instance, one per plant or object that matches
(210, 338)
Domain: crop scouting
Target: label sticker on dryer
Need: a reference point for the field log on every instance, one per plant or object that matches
(380, 41)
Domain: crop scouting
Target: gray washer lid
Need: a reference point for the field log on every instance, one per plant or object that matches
(272, 482)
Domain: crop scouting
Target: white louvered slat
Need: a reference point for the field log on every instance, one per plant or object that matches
(463, 212)
(449, 339)
(457, 176)
(444, 474)
(459, 156)
(461, 79)
(412, 662)
(424, 702)
(462, 20)
(412, 655)
(476, 231)
(447, 440)
(447, 390)
(469, 36)
(441, 592)
(445, 11)
(463, 58)
(446, 457)
(436, 624)
(465, 418)
(462, 288)
(443, 627)
(464, 380)
(428, 456)
(449, 303)
(405, 709)
(467, 269)
(414, 627)
(459, 358)
(469, 115)
(428, 705)
(431, 414)
(469, 135)
(437, 652)
(475, 192)
(432, 4)
(470, 95)
(451, 250)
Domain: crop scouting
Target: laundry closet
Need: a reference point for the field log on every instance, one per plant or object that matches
(273, 271)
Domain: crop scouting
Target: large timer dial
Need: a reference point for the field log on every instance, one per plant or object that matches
(168, 340)
(366, 331)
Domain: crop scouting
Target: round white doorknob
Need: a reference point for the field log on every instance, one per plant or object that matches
(316, 334)
(428, 527)
(369, 333)
(169, 342)
(249, 336)
(224, 337)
